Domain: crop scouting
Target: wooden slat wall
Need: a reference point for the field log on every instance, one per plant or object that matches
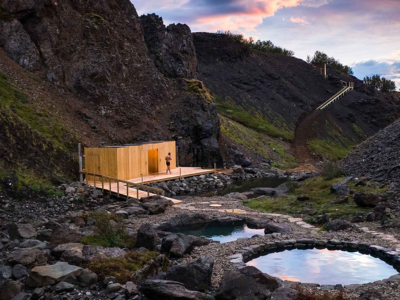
(127, 162)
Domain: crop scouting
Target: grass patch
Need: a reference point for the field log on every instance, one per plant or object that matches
(319, 190)
(257, 143)
(198, 87)
(96, 19)
(329, 149)
(109, 231)
(17, 104)
(251, 119)
(331, 170)
(121, 268)
(358, 131)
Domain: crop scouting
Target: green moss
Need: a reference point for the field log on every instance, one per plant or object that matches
(122, 268)
(252, 119)
(97, 19)
(17, 105)
(198, 87)
(330, 149)
(258, 143)
(321, 198)
(358, 131)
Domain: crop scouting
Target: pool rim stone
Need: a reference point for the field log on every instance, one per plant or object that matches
(391, 256)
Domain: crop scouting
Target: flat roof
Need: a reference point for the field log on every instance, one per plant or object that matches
(137, 144)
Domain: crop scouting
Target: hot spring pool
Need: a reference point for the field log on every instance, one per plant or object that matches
(324, 266)
(223, 234)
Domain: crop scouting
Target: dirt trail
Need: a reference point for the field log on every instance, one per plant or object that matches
(303, 133)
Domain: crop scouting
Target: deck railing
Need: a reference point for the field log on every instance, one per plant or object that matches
(109, 180)
(337, 96)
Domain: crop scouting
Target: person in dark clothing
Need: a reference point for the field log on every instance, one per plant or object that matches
(168, 159)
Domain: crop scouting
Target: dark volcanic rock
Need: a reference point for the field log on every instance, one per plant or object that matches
(9, 289)
(246, 283)
(156, 207)
(264, 191)
(171, 48)
(195, 276)
(178, 244)
(185, 220)
(273, 227)
(171, 290)
(21, 231)
(367, 200)
(147, 237)
(28, 257)
(338, 225)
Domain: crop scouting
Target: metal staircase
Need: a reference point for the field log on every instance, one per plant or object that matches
(347, 88)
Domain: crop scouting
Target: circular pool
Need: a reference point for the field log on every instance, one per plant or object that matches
(323, 266)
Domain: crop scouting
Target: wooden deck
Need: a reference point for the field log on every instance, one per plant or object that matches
(176, 174)
(122, 191)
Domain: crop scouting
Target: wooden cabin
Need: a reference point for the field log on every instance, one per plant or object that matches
(130, 161)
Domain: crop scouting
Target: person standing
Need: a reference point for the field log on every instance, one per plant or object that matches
(168, 159)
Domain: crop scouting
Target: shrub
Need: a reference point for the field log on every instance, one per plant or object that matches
(109, 230)
(380, 84)
(331, 170)
(322, 58)
(121, 268)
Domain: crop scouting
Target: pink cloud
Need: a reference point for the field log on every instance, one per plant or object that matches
(302, 21)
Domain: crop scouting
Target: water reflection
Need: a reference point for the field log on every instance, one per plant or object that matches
(323, 266)
(224, 234)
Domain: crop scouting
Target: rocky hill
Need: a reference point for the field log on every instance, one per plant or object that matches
(378, 158)
(81, 71)
(273, 94)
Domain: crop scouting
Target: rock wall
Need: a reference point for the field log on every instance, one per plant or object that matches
(171, 48)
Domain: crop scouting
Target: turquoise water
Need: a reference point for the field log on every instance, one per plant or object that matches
(323, 266)
(224, 234)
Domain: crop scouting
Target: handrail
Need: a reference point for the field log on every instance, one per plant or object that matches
(336, 96)
(128, 184)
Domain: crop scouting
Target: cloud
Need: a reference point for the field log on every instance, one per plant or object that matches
(302, 21)
(389, 70)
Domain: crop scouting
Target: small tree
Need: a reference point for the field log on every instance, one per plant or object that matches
(380, 84)
(321, 58)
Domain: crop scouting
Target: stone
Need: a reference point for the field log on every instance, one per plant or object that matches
(264, 191)
(9, 289)
(64, 235)
(273, 227)
(338, 225)
(246, 283)
(371, 295)
(341, 199)
(185, 220)
(341, 188)
(147, 237)
(21, 231)
(64, 287)
(179, 244)
(19, 271)
(30, 243)
(167, 289)
(51, 274)
(131, 288)
(195, 276)
(156, 207)
(238, 169)
(135, 210)
(88, 278)
(257, 223)
(109, 279)
(73, 247)
(28, 257)
(113, 287)
(6, 272)
(367, 200)
(37, 293)
(21, 296)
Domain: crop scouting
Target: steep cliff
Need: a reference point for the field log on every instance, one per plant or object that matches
(103, 78)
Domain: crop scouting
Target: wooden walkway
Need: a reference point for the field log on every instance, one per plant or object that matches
(121, 190)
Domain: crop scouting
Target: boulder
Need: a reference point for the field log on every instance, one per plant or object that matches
(135, 210)
(69, 252)
(257, 223)
(147, 237)
(37, 293)
(151, 270)
(178, 244)
(21, 296)
(273, 227)
(246, 283)
(88, 278)
(371, 295)
(195, 276)
(338, 225)
(51, 274)
(64, 287)
(131, 288)
(21, 231)
(264, 191)
(367, 200)
(238, 169)
(6, 272)
(156, 207)
(236, 196)
(341, 188)
(284, 293)
(65, 235)
(185, 220)
(9, 289)
(29, 257)
(19, 271)
(171, 290)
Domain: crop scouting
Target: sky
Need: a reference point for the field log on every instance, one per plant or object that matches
(364, 34)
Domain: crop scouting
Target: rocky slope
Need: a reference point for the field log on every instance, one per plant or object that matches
(278, 92)
(378, 158)
(87, 66)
